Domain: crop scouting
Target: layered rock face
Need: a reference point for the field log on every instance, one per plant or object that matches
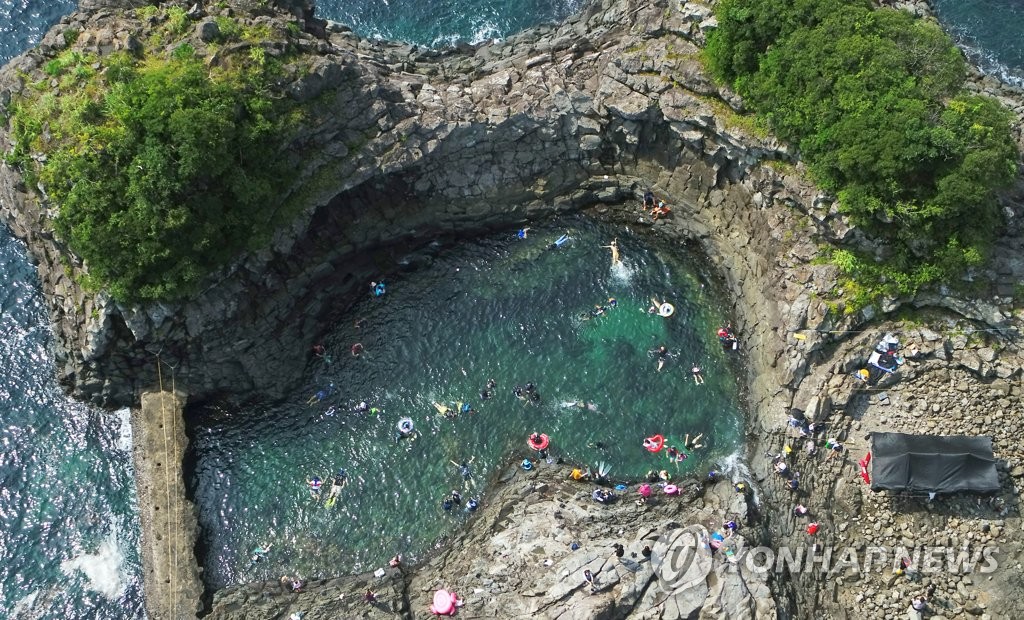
(401, 146)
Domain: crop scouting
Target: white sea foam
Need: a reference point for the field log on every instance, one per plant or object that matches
(622, 272)
(735, 467)
(124, 440)
(25, 607)
(104, 570)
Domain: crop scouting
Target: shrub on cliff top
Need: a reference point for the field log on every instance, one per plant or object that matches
(875, 101)
(162, 170)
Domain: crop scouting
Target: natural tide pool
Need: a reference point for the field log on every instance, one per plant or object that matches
(497, 307)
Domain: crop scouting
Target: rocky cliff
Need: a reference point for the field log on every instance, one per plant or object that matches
(406, 144)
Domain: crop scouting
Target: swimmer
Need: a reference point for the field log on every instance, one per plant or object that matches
(465, 471)
(339, 483)
(446, 503)
(518, 392)
(472, 504)
(314, 486)
(559, 242)
(320, 395)
(662, 354)
(319, 350)
(456, 497)
(361, 407)
(612, 302)
(259, 554)
(614, 247)
(357, 349)
(698, 378)
(521, 234)
(693, 444)
(361, 322)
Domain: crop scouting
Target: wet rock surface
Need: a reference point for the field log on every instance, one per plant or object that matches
(524, 554)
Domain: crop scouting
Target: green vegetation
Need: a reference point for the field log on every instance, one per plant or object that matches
(875, 101)
(161, 169)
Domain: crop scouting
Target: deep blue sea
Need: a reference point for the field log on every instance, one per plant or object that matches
(68, 519)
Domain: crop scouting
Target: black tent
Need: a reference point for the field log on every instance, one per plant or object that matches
(932, 464)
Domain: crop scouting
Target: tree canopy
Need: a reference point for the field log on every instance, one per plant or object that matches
(875, 101)
(161, 169)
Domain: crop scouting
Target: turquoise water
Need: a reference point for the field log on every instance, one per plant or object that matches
(444, 22)
(496, 308)
(68, 527)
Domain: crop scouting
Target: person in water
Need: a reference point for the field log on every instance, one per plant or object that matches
(357, 349)
(472, 504)
(521, 234)
(320, 395)
(456, 497)
(614, 247)
(465, 471)
(698, 378)
(559, 242)
(259, 554)
(662, 354)
(693, 444)
(339, 483)
(314, 486)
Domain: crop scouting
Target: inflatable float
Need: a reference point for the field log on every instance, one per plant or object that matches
(445, 603)
(666, 310)
(405, 426)
(537, 441)
(671, 489)
(654, 443)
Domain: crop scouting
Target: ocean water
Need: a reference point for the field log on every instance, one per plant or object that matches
(495, 308)
(989, 31)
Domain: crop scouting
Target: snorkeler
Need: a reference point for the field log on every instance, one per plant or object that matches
(339, 483)
(320, 395)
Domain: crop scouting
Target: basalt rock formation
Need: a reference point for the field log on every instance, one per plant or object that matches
(409, 145)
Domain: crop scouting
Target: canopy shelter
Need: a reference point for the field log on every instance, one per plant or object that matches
(932, 464)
